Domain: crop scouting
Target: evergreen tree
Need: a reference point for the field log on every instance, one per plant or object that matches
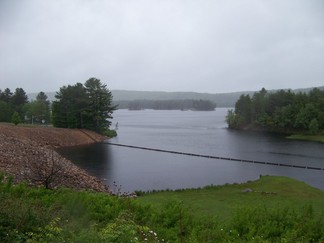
(6, 111)
(10, 103)
(84, 106)
(70, 105)
(18, 100)
(6, 95)
(44, 106)
(243, 110)
(100, 107)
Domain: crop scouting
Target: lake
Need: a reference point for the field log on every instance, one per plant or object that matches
(196, 132)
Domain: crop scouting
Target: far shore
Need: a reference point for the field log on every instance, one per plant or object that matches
(311, 138)
(293, 135)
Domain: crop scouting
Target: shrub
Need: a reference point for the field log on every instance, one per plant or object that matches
(15, 118)
(110, 133)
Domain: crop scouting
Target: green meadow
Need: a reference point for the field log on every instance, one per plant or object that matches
(271, 209)
(222, 201)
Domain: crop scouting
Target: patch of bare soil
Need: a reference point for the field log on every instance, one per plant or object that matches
(28, 154)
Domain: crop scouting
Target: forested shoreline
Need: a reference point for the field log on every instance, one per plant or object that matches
(86, 106)
(282, 111)
(16, 108)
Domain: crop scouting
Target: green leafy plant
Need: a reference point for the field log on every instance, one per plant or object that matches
(15, 119)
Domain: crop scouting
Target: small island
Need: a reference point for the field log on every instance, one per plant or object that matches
(185, 104)
(300, 115)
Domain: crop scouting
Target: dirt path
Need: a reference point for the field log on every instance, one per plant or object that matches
(28, 153)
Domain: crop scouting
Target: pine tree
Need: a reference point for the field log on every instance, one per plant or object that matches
(84, 106)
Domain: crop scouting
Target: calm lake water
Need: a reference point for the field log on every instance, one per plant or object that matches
(192, 132)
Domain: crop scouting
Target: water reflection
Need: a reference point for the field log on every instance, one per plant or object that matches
(95, 158)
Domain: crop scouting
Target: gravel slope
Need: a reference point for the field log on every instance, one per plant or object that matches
(28, 154)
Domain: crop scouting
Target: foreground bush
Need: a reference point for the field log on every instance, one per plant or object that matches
(42, 215)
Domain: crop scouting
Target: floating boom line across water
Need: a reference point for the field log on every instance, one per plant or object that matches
(216, 157)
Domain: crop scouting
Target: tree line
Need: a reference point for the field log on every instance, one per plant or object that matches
(87, 105)
(16, 108)
(281, 111)
(186, 104)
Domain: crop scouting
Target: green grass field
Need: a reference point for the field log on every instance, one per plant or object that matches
(313, 138)
(222, 201)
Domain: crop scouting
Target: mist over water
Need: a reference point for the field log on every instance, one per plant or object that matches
(192, 132)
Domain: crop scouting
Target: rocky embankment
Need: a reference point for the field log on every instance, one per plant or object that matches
(28, 154)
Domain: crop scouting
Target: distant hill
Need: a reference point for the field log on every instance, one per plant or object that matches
(123, 96)
(306, 90)
(221, 99)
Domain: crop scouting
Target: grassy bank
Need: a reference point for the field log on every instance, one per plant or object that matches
(278, 209)
(313, 138)
(222, 201)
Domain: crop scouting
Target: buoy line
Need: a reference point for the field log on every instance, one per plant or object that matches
(216, 157)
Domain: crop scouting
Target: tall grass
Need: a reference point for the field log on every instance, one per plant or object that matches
(42, 215)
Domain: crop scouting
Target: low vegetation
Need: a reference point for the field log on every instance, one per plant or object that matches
(313, 138)
(274, 209)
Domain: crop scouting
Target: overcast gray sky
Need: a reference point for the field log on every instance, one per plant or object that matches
(164, 45)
